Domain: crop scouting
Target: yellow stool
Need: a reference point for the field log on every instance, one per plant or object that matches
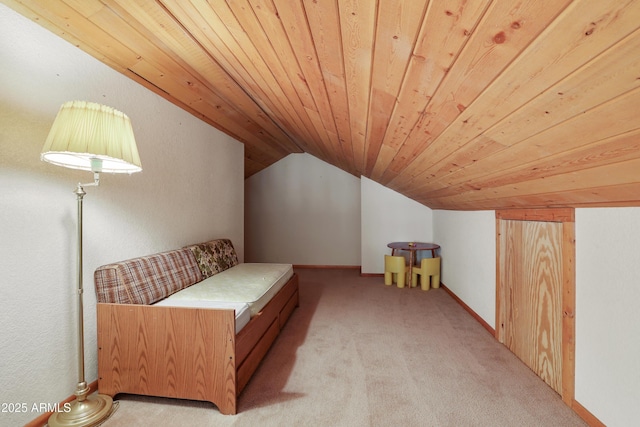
(429, 269)
(395, 265)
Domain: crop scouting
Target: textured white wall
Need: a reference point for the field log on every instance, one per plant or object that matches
(303, 211)
(190, 190)
(607, 314)
(388, 216)
(468, 249)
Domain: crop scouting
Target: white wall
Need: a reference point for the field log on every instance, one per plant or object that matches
(388, 216)
(190, 190)
(607, 314)
(303, 211)
(468, 250)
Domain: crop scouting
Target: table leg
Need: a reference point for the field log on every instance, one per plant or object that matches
(412, 255)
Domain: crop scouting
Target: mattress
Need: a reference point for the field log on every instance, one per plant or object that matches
(251, 283)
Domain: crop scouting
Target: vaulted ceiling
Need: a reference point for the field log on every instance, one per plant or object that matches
(458, 104)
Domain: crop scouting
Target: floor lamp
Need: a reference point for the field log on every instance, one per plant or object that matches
(95, 138)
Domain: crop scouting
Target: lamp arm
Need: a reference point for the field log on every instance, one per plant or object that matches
(95, 183)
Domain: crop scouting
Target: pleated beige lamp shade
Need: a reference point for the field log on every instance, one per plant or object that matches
(92, 137)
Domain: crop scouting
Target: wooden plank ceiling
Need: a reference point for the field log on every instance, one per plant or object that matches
(458, 104)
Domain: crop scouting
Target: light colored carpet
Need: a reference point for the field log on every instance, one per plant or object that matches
(359, 353)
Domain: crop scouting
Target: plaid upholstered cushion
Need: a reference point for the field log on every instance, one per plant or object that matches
(147, 279)
(214, 256)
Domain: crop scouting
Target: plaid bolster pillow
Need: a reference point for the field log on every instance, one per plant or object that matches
(148, 279)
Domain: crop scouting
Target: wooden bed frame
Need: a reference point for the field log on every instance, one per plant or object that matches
(186, 353)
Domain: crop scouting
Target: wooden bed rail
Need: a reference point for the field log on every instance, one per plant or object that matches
(186, 353)
(168, 352)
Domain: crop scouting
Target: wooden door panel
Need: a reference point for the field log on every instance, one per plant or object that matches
(531, 283)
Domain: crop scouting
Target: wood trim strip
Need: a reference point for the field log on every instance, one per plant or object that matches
(326, 266)
(371, 274)
(499, 331)
(587, 416)
(549, 215)
(568, 311)
(469, 310)
(44, 418)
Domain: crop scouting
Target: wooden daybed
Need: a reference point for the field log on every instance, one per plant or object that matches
(180, 352)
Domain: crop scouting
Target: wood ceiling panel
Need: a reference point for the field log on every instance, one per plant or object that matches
(299, 35)
(600, 153)
(616, 117)
(273, 27)
(562, 44)
(590, 86)
(357, 18)
(324, 22)
(398, 22)
(458, 104)
(220, 72)
(220, 44)
(505, 30)
(601, 196)
(608, 176)
(65, 21)
(445, 31)
(266, 57)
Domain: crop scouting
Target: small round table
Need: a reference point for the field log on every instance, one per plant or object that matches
(412, 248)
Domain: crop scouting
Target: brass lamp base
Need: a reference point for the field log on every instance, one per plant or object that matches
(89, 412)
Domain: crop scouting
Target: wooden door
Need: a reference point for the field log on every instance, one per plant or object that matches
(535, 300)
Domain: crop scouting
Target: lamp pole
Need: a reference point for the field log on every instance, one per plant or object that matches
(85, 410)
(82, 388)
